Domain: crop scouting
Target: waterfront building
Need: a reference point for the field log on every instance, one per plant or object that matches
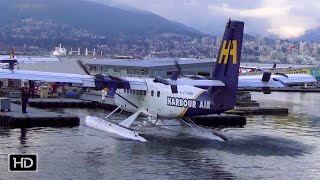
(150, 67)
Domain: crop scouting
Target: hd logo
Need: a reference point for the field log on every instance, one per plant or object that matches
(23, 162)
(231, 49)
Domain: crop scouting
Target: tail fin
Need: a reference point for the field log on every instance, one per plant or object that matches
(227, 66)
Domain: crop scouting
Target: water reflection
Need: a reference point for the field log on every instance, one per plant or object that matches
(23, 136)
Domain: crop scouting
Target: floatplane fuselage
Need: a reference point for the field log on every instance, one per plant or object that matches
(159, 101)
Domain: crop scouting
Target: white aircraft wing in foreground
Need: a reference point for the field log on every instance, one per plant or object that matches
(98, 81)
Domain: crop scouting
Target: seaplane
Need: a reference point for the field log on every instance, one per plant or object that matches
(168, 103)
(9, 61)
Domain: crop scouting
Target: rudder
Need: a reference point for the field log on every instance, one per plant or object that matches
(227, 66)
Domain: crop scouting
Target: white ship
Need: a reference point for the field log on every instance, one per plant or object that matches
(59, 51)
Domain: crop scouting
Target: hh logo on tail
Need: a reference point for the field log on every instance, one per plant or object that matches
(231, 49)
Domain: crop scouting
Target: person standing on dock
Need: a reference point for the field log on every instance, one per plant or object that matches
(25, 92)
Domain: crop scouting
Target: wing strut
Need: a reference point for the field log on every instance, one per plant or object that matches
(127, 122)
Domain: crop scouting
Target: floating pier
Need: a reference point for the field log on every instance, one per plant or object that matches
(43, 118)
(66, 103)
(247, 103)
(223, 120)
(259, 111)
(35, 118)
(284, 89)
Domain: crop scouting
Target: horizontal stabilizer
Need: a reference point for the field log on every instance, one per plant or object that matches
(259, 83)
(276, 80)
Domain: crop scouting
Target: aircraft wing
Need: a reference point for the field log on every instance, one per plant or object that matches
(36, 59)
(276, 80)
(25, 59)
(86, 80)
(98, 82)
(199, 83)
(135, 83)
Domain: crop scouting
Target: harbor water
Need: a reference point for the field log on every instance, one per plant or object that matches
(268, 147)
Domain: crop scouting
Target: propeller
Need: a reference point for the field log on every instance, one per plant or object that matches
(266, 77)
(83, 67)
(174, 76)
(161, 80)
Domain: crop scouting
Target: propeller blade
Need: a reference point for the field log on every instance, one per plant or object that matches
(174, 75)
(99, 77)
(266, 77)
(161, 80)
(174, 89)
(176, 63)
(83, 67)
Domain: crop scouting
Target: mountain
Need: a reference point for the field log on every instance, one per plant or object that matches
(310, 36)
(56, 20)
(88, 15)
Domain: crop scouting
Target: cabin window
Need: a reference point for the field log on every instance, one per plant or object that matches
(152, 93)
(141, 93)
(134, 91)
(145, 92)
(158, 93)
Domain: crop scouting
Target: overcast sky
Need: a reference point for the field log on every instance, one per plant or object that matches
(283, 18)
